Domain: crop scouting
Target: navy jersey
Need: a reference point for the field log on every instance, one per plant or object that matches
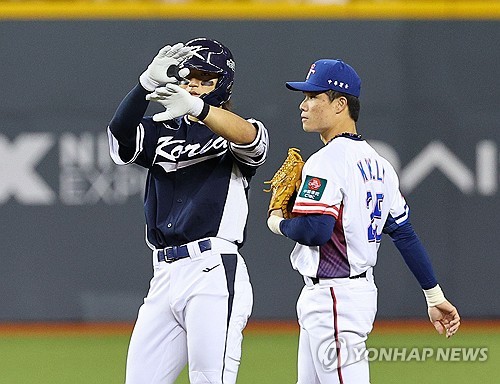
(197, 181)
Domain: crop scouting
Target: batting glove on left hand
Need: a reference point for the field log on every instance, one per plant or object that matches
(165, 66)
(177, 102)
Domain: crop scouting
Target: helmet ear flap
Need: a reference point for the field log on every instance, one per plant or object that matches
(221, 94)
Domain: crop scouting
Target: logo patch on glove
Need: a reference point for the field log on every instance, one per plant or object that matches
(313, 188)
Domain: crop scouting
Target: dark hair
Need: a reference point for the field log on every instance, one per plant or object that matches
(352, 102)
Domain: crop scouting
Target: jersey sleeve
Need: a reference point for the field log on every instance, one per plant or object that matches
(142, 153)
(253, 154)
(399, 211)
(131, 136)
(125, 133)
(126, 154)
(320, 191)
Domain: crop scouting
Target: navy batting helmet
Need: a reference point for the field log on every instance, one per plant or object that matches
(218, 59)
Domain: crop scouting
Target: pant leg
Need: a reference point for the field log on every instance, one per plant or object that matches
(306, 369)
(215, 316)
(356, 310)
(240, 312)
(157, 351)
(338, 319)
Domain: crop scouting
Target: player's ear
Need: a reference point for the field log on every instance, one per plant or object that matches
(340, 104)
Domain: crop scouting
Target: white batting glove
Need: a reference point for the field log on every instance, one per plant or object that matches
(177, 102)
(164, 67)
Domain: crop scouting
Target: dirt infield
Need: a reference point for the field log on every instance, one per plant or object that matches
(256, 326)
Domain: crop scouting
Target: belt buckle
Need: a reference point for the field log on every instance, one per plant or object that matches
(167, 252)
(177, 252)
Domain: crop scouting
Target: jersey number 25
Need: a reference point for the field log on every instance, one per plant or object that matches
(376, 215)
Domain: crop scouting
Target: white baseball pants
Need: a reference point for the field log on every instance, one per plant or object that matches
(335, 318)
(194, 313)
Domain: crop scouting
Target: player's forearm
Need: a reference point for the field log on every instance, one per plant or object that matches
(311, 230)
(230, 126)
(128, 115)
(416, 258)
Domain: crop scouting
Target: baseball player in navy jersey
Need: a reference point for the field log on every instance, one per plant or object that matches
(349, 196)
(200, 158)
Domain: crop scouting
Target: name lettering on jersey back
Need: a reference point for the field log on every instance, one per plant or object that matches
(172, 150)
(371, 170)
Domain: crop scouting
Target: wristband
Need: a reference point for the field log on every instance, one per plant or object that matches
(434, 296)
(273, 222)
(204, 112)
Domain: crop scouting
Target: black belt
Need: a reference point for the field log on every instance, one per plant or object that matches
(177, 252)
(315, 280)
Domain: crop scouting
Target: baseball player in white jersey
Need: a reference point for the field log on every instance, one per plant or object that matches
(200, 158)
(348, 197)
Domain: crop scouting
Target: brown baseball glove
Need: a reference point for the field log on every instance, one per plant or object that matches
(285, 183)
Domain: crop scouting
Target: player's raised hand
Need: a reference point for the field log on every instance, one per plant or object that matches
(165, 66)
(177, 102)
(445, 318)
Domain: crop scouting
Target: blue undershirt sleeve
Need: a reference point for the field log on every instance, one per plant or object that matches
(311, 230)
(414, 254)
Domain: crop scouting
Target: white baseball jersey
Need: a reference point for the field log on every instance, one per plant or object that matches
(349, 180)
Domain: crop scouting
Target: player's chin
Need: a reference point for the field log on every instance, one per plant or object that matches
(306, 127)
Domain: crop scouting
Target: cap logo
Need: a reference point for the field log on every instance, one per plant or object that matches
(230, 63)
(312, 71)
(328, 74)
